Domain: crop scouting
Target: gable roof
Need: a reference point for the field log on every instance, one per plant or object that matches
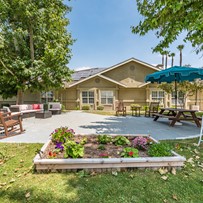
(99, 71)
(81, 74)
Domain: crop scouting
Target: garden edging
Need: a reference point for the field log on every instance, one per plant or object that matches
(106, 163)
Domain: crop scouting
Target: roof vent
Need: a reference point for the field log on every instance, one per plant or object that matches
(132, 67)
(97, 80)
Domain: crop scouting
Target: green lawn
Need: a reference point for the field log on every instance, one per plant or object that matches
(19, 182)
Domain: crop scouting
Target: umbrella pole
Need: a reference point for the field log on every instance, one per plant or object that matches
(176, 93)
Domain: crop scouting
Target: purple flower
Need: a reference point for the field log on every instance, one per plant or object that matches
(59, 145)
(140, 143)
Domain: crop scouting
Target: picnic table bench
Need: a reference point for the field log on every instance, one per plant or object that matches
(177, 115)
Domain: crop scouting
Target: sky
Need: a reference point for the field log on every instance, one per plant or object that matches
(102, 30)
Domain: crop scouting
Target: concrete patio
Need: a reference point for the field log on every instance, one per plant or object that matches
(38, 130)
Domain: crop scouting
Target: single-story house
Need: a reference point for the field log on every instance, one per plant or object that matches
(106, 86)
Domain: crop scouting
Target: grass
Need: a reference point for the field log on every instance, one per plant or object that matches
(19, 182)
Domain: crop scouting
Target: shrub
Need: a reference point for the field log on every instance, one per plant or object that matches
(104, 139)
(100, 108)
(73, 149)
(140, 143)
(121, 140)
(130, 152)
(63, 107)
(159, 149)
(86, 107)
(62, 134)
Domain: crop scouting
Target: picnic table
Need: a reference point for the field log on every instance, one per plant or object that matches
(176, 115)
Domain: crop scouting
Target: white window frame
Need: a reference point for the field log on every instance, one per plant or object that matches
(88, 97)
(105, 96)
(160, 95)
(180, 98)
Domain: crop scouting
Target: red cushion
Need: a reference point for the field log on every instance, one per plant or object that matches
(36, 106)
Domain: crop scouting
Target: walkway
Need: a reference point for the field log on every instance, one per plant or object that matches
(38, 130)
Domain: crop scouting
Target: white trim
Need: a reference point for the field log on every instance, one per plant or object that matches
(142, 85)
(111, 80)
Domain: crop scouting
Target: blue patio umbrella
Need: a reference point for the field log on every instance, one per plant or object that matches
(175, 74)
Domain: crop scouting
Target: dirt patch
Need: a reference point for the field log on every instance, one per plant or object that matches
(92, 148)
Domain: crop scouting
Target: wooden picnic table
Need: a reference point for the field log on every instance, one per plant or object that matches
(175, 115)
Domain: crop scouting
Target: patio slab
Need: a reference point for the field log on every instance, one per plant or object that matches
(38, 130)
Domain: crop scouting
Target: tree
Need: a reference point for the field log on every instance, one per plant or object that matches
(34, 46)
(186, 88)
(180, 48)
(166, 57)
(172, 55)
(169, 19)
(162, 56)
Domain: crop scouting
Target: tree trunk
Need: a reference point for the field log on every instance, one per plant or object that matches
(162, 60)
(15, 41)
(166, 61)
(19, 99)
(180, 57)
(31, 44)
(196, 91)
(172, 60)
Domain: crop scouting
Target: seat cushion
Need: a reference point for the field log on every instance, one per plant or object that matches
(36, 106)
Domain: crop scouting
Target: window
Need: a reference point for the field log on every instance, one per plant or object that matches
(47, 97)
(158, 96)
(107, 97)
(88, 97)
(180, 98)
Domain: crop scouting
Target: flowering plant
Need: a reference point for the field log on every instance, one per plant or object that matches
(130, 152)
(62, 134)
(52, 155)
(59, 146)
(140, 143)
(104, 155)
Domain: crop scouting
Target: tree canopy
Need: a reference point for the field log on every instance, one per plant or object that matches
(169, 19)
(34, 45)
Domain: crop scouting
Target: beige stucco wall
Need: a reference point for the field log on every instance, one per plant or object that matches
(131, 74)
(68, 97)
(132, 96)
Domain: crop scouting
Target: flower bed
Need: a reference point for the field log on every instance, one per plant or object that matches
(67, 151)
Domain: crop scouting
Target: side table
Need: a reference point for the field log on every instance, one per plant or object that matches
(135, 110)
(43, 114)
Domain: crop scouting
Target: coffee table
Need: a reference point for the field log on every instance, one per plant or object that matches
(43, 114)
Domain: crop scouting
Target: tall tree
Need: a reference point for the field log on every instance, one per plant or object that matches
(172, 55)
(162, 57)
(169, 19)
(180, 48)
(34, 46)
(165, 53)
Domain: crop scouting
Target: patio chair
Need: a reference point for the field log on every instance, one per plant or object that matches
(120, 108)
(152, 108)
(10, 123)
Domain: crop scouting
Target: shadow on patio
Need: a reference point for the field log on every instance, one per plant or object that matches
(142, 125)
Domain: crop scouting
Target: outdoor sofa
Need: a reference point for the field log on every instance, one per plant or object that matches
(54, 107)
(27, 110)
